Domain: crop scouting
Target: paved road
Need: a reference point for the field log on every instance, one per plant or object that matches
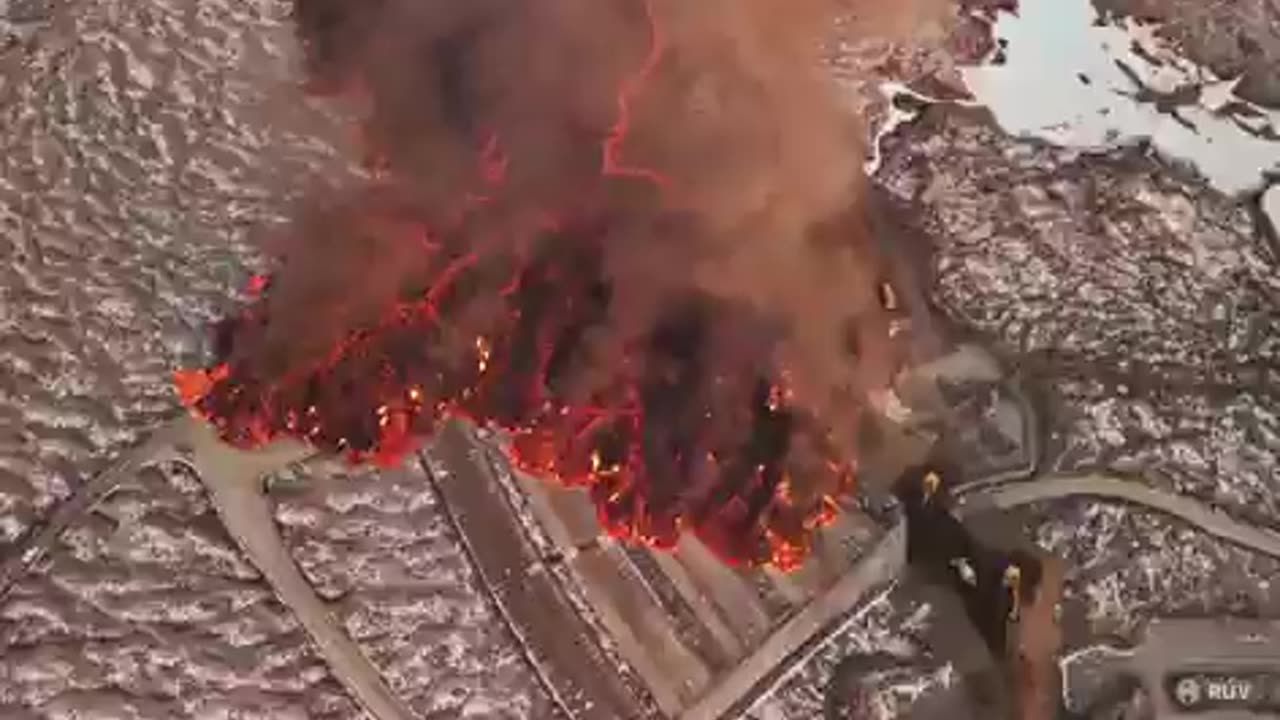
(234, 479)
(884, 562)
(230, 477)
(1196, 512)
(785, 648)
(795, 641)
(157, 447)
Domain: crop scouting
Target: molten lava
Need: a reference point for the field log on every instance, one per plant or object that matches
(471, 289)
(681, 436)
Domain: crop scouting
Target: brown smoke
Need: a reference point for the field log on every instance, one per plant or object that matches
(629, 233)
(725, 100)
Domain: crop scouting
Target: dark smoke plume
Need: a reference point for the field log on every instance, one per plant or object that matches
(722, 101)
(665, 191)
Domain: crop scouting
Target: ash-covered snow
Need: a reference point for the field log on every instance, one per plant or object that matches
(1149, 302)
(147, 610)
(145, 142)
(1126, 566)
(379, 546)
(1142, 301)
(144, 145)
(1145, 303)
(886, 627)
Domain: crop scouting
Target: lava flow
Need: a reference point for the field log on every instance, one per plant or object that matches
(533, 257)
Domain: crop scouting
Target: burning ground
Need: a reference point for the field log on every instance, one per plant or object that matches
(146, 149)
(138, 159)
(628, 233)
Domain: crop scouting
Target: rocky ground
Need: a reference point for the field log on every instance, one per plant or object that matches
(147, 610)
(1236, 40)
(143, 143)
(1142, 309)
(1128, 565)
(1144, 303)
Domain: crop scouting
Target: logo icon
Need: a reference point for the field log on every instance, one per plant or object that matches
(1187, 692)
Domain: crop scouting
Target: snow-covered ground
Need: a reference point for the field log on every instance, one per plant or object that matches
(1065, 81)
(143, 144)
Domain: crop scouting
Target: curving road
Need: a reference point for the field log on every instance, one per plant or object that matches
(794, 642)
(234, 479)
(231, 477)
(1202, 515)
(158, 447)
(1023, 485)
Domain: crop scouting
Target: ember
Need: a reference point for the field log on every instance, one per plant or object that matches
(538, 254)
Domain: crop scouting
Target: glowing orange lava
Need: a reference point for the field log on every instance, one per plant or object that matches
(680, 434)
